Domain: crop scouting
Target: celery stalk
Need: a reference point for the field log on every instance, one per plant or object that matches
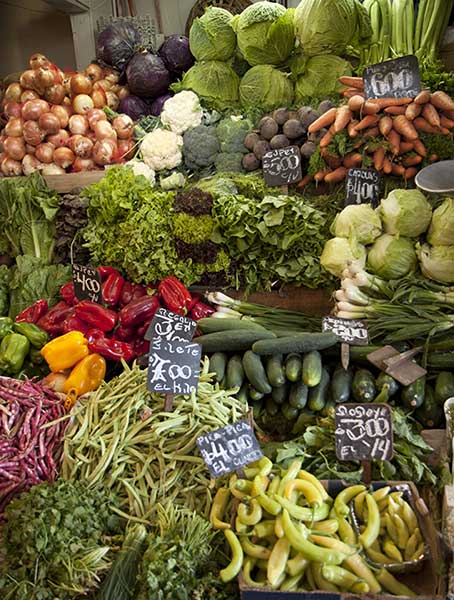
(424, 7)
(410, 24)
(432, 18)
(385, 9)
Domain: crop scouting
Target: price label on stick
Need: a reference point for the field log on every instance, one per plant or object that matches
(363, 432)
(173, 367)
(282, 166)
(349, 331)
(87, 283)
(229, 448)
(362, 187)
(398, 78)
(169, 326)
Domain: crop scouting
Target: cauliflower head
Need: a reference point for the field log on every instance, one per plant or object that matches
(161, 149)
(182, 112)
(140, 168)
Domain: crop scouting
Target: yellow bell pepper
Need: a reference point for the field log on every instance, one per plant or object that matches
(65, 351)
(85, 377)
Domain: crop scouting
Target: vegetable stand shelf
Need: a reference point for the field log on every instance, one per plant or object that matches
(67, 182)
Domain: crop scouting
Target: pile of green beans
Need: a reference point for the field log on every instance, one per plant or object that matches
(122, 436)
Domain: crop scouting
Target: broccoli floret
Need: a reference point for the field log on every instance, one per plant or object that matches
(229, 162)
(231, 133)
(200, 147)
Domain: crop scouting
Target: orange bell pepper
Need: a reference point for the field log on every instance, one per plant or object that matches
(86, 376)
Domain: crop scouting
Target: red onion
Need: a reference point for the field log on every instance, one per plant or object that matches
(53, 169)
(83, 164)
(63, 157)
(15, 147)
(33, 109)
(78, 124)
(104, 130)
(30, 164)
(45, 152)
(126, 149)
(14, 127)
(11, 167)
(94, 115)
(82, 103)
(49, 123)
(30, 149)
(33, 135)
(81, 146)
(13, 109)
(13, 92)
(28, 79)
(28, 95)
(104, 152)
(59, 139)
(124, 126)
(62, 114)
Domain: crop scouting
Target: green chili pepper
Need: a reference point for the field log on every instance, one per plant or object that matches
(35, 335)
(13, 351)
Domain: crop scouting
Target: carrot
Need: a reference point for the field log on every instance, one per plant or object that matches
(433, 157)
(411, 161)
(358, 143)
(413, 110)
(398, 170)
(422, 125)
(385, 125)
(449, 114)
(379, 158)
(395, 110)
(423, 97)
(430, 113)
(336, 176)
(368, 121)
(394, 140)
(445, 122)
(352, 128)
(405, 127)
(442, 101)
(370, 107)
(332, 161)
(355, 103)
(327, 138)
(350, 92)
(410, 172)
(419, 148)
(304, 181)
(406, 147)
(353, 159)
(443, 130)
(320, 176)
(372, 132)
(354, 82)
(324, 120)
(383, 103)
(387, 166)
(343, 117)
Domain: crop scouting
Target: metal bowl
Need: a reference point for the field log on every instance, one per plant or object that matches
(437, 178)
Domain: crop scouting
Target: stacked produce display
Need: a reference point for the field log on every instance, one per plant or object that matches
(224, 162)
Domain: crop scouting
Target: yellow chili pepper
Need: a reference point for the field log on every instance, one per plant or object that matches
(370, 534)
(235, 484)
(418, 552)
(234, 567)
(359, 504)
(218, 508)
(402, 531)
(264, 528)
(240, 527)
(85, 377)
(292, 583)
(392, 551)
(271, 506)
(303, 513)
(296, 565)
(391, 584)
(277, 560)
(250, 515)
(310, 492)
(248, 565)
(315, 482)
(321, 582)
(274, 485)
(291, 473)
(408, 514)
(328, 527)
(278, 529)
(391, 528)
(254, 550)
(65, 351)
(339, 576)
(344, 497)
(346, 532)
(381, 493)
(377, 556)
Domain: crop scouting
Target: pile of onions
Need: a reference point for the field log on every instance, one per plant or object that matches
(55, 122)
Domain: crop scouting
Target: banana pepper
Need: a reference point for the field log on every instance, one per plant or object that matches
(65, 351)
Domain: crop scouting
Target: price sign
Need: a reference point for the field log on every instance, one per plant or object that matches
(87, 283)
(169, 326)
(363, 432)
(398, 78)
(349, 331)
(363, 187)
(173, 367)
(282, 166)
(229, 448)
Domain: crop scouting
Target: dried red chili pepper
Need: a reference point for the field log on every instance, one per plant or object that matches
(111, 289)
(68, 293)
(138, 311)
(33, 313)
(201, 310)
(106, 271)
(96, 315)
(174, 295)
(53, 320)
(109, 348)
(73, 323)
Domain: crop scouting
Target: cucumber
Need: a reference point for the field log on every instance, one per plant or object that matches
(234, 373)
(280, 394)
(234, 341)
(243, 395)
(431, 413)
(298, 395)
(257, 409)
(271, 407)
(289, 412)
(329, 407)
(255, 372)
(318, 395)
(385, 379)
(363, 386)
(300, 342)
(254, 394)
(341, 385)
(218, 364)
(312, 368)
(293, 367)
(413, 395)
(444, 386)
(359, 353)
(212, 324)
(275, 370)
(441, 360)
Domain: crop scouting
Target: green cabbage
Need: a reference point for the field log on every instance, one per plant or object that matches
(437, 262)
(329, 26)
(320, 77)
(391, 257)
(359, 221)
(211, 36)
(340, 252)
(265, 87)
(441, 230)
(405, 212)
(265, 32)
(213, 81)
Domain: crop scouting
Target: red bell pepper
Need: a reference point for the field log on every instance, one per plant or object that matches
(52, 321)
(126, 294)
(201, 310)
(195, 298)
(68, 293)
(96, 315)
(174, 295)
(141, 331)
(141, 347)
(138, 291)
(124, 334)
(109, 348)
(33, 313)
(138, 311)
(111, 289)
(73, 323)
(106, 271)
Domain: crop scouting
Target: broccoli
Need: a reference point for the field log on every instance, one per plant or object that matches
(200, 147)
(231, 133)
(229, 162)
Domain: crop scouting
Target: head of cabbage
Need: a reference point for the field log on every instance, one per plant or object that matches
(329, 26)
(359, 221)
(319, 77)
(211, 36)
(265, 33)
(391, 257)
(266, 87)
(436, 262)
(339, 253)
(441, 230)
(213, 81)
(405, 212)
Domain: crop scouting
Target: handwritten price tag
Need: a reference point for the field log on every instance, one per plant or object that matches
(87, 283)
(282, 166)
(398, 78)
(173, 367)
(349, 331)
(169, 326)
(363, 187)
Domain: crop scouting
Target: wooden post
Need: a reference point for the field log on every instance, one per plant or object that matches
(367, 471)
(168, 403)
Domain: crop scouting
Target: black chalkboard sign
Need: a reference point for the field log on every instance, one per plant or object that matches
(398, 78)
(364, 431)
(173, 367)
(282, 166)
(87, 283)
(169, 326)
(363, 187)
(229, 448)
(349, 331)
(276, 595)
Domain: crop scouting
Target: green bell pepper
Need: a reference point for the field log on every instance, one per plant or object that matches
(6, 326)
(35, 335)
(13, 352)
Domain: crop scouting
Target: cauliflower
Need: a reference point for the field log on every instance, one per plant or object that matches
(140, 168)
(175, 180)
(182, 112)
(161, 149)
(201, 146)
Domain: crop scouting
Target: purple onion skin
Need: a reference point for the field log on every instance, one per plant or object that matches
(158, 104)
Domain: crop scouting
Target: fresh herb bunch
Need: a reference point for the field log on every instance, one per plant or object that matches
(53, 545)
(71, 219)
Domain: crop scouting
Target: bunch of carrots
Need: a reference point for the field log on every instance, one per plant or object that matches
(398, 120)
